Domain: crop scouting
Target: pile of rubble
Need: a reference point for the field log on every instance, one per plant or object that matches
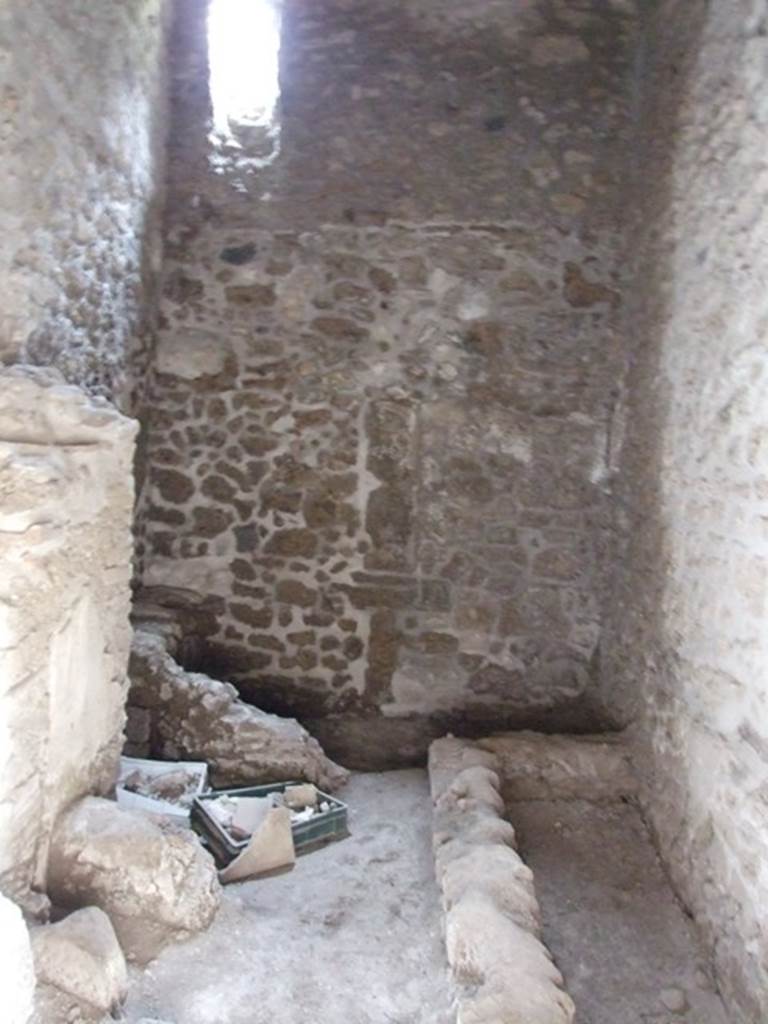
(120, 885)
(127, 876)
(195, 718)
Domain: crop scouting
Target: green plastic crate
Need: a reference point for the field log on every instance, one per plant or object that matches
(321, 829)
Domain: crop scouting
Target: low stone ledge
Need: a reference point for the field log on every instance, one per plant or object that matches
(504, 972)
(534, 766)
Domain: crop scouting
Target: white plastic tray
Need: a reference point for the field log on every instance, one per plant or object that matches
(151, 805)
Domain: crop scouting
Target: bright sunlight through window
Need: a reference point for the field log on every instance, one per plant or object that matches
(243, 53)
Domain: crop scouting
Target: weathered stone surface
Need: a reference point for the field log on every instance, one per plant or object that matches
(581, 292)
(154, 880)
(449, 758)
(534, 766)
(558, 49)
(174, 486)
(431, 316)
(66, 497)
(295, 592)
(197, 718)
(79, 258)
(251, 295)
(686, 648)
(80, 959)
(419, 358)
(509, 972)
(292, 543)
(492, 920)
(17, 974)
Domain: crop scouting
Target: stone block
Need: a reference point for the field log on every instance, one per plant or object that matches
(81, 959)
(17, 975)
(538, 767)
(153, 879)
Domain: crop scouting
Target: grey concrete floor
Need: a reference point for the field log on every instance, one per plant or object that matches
(350, 936)
(628, 952)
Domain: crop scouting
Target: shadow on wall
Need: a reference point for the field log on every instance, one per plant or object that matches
(634, 605)
(684, 655)
(365, 740)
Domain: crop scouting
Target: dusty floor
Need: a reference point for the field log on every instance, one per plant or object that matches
(352, 935)
(627, 950)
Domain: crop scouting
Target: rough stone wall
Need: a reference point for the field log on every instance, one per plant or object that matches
(82, 121)
(380, 413)
(687, 649)
(66, 494)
